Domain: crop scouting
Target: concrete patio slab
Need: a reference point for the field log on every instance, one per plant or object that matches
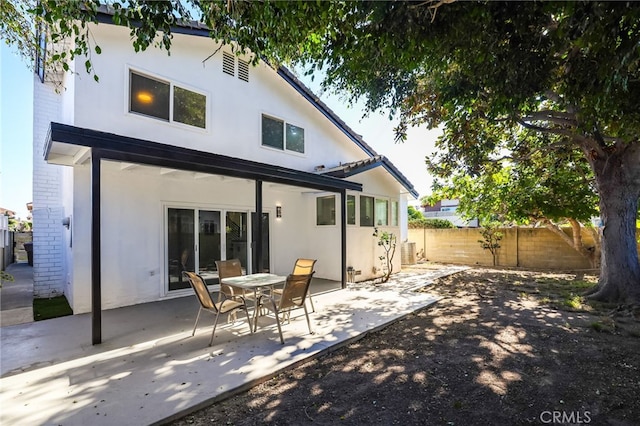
(150, 370)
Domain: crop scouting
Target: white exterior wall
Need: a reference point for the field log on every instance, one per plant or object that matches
(235, 107)
(134, 200)
(48, 265)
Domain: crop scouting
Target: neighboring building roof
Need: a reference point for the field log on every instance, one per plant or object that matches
(356, 167)
(7, 212)
(198, 29)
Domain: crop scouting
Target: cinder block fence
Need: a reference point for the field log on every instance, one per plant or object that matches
(533, 248)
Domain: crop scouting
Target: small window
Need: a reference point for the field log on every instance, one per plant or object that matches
(149, 97)
(295, 138)
(382, 212)
(366, 211)
(189, 107)
(351, 209)
(394, 213)
(272, 132)
(155, 98)
(326, 210)
(278, 134)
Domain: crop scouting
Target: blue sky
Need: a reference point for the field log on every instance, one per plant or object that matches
(16, 89)
(16, 129)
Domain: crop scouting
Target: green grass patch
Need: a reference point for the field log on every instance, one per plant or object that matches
(51, 308)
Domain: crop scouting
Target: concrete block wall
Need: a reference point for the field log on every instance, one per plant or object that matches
(48, 267)
(533, 248)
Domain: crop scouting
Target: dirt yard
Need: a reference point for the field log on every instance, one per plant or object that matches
(501, 348)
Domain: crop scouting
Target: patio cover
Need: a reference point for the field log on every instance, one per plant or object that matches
(71, 145)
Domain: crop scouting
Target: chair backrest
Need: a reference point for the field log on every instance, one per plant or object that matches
(200, 288)
(227, 269)
(304, 266)
(295, 290)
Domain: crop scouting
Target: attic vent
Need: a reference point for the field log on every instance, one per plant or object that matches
(243, 70)
(228, 63)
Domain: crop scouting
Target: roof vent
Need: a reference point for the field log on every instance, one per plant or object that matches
(228, 63)
(243, 70)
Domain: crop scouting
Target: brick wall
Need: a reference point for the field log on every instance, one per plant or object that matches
(533, 248)
(48, 269)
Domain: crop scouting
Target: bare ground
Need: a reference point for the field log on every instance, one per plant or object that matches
(501, 348)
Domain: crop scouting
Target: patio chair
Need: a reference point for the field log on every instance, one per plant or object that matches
(302, 267)
(227, 269)
(226, 306)
(293, 296)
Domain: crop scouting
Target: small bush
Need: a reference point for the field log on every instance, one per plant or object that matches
(430, 223)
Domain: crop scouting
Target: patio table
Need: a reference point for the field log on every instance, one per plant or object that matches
(254, 282)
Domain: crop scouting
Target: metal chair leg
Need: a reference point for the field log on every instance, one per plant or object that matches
(246, 311)
(196, 324)
(213, 333)
(307, 315)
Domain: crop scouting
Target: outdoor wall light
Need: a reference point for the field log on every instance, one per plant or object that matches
(66, 222)
(279, 211)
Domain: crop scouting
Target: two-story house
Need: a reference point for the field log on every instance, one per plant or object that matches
(169, 160)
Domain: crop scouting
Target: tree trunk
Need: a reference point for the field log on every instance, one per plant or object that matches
(575, 241)
(617, 172)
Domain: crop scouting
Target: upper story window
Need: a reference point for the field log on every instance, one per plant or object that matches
(166, 101)
(281, 135)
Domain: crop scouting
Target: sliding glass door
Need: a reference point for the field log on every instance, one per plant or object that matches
(180, 246)
(196, 238)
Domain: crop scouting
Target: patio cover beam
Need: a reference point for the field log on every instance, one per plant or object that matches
(133, 150)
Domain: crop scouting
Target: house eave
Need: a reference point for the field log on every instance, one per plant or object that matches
(346, 172)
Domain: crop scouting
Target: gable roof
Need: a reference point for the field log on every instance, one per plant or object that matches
(196, 28)
(355, 167)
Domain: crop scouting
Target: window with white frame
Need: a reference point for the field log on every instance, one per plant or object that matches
(166, 101)
(395, 211)
(375, 211)
(382, 212)
(366, 211)
(281, 135)
(326, 210)
(351, 209)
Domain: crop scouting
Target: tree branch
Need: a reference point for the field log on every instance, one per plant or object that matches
(557, 117)
(560, 132)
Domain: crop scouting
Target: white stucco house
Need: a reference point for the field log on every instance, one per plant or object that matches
(168, 160)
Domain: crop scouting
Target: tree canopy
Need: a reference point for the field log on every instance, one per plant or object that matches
(503, 78)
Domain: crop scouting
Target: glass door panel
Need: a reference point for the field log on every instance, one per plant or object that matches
(266, 261)
(209, 232)
(237, 237)
(180, 245)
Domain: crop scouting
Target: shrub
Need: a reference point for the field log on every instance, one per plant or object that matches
(430, 223)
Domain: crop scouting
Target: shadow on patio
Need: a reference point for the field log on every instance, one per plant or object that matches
(149, 368)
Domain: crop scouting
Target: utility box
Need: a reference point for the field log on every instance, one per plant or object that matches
(408, 253)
